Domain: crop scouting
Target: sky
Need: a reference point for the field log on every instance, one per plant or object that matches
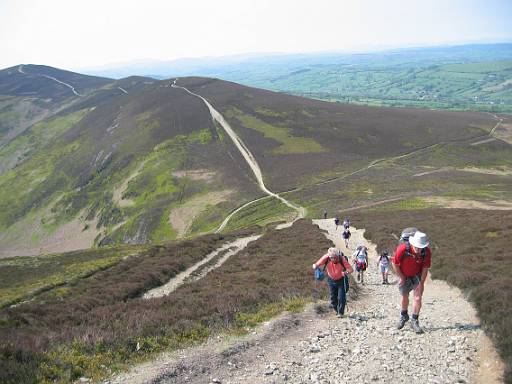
(80, 34)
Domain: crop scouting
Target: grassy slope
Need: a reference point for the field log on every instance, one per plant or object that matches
(470, 250)
(75, 174)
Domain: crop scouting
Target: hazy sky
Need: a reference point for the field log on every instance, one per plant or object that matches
(87, 33)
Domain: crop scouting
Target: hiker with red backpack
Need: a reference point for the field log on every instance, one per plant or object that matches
(361, 262)
(411, 262)
(338, 268)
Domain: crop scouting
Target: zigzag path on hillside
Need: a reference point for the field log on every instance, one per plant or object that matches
(315, 346)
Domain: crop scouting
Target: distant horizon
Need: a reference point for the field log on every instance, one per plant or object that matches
(248, 55)
(89, 34)
(142, 61)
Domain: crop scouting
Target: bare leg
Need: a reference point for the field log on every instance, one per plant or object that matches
(416, 304)
(405, 302)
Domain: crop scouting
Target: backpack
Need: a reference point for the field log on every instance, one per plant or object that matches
(320, 273)
(406, 233)
(404, 238)
(361, 252)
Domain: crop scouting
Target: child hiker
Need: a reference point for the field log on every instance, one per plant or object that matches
(338, 267)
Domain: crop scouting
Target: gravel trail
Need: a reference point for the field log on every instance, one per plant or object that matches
(315, 346)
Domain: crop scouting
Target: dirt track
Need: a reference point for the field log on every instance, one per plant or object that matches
(314, 346)
(248, 156)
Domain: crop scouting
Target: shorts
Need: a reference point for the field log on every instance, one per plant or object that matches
(360, 267)
(411, 283)
(384, 268)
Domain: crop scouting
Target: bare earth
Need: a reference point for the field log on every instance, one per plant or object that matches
(314, 346)
(68, 237)
(182, 217)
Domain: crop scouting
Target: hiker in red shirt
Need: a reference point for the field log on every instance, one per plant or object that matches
(338, 268)
(411, 262)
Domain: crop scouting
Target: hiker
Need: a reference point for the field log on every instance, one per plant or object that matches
(337, 266)
(411, 262)
(325, 214)
(346, 223)
(361, 262)
(346, 235)
(336, 222)
(383, 263)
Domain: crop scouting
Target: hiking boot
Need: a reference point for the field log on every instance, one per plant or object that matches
(415, 325)
(402, 321)
(383, 282)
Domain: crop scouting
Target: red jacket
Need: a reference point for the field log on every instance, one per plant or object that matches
(412, 265)
(335, 270)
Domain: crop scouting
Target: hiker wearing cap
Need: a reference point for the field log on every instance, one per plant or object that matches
(338, 268)
(411, 262)
(383, 263)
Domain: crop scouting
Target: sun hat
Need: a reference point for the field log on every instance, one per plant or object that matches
(419, 240)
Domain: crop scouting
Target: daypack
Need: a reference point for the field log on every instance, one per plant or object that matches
(320, 273)
(404, 238)
(406, 233)
(360, 253)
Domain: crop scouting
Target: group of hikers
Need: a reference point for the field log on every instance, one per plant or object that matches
(410, 261)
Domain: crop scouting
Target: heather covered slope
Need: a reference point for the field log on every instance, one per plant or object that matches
(308, 137)
(136, 161)
(30, 93)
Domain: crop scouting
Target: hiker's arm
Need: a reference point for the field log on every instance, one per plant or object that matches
(399, 273)
(347, 266)
(321, 261)
(424, 273)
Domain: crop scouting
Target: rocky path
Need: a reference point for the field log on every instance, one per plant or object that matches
(364, 347)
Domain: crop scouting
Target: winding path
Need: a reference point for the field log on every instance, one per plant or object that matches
(226, 251)
(315, 346)
(63, 83)
(247, 155)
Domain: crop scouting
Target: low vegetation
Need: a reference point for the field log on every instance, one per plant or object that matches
(470, 251)
(97, 324)
(288, 143)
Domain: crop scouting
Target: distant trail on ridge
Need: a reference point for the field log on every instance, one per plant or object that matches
(248, 156)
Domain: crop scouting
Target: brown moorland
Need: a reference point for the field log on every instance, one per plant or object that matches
(351, 135)
(471, 250)
(101, 320)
